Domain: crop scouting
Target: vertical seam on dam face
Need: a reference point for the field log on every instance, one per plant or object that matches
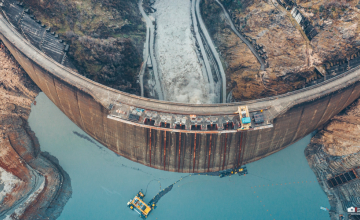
(57, 94)
(224, 152)
(240, 145)
(55, 100)
(146, 145)
(194, 152)
(34, 76)
(257, 143)
(347, 100)
(179, 151)
(298, 124)
(273, 135)
(269, 140)
(342, 100)
(105, 124)
(243, 140)
(231, 144)
(209, 158)
(164, 149)
(352, 97)
(358, 92)
(327, 106)
(150, 145)
(336, 106)
(50, 87)
(283, 137)
(219, 151)
(81, 118)
(255, 139)
(323, 112)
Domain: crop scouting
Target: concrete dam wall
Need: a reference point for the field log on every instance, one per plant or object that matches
(174, 136)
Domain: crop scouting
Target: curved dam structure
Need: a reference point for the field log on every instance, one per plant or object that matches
(172, 136)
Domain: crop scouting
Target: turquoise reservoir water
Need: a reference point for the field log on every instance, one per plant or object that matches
(281, 186)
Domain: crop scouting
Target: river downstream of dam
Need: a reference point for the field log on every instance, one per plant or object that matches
(280, 186)
(180, 57)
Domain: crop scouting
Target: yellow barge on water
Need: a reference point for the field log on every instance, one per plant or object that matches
(138, 205)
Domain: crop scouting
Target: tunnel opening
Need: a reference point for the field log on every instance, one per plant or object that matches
(180, 127)
(229, 126)
(196, 127)
(149, 121)
(212, 127)
(164, 125)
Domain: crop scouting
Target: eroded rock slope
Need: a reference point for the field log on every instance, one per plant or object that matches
(32, 184)
(290, 57)
(106, 38)
(334, 151)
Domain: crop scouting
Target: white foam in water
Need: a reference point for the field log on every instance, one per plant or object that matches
(178, 63)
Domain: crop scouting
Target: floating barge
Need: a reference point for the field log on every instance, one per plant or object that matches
(137, 204)
(239, 170)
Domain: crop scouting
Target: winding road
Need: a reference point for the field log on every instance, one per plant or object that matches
(213, 50)
(251, 47)
(145, 53)
(209, 75)
(37, 183)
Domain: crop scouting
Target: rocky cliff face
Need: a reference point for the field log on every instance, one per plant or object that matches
(106, 37)
(32, 184)
(334, 151)
(342, 135)
(338, 25)
(291, 58)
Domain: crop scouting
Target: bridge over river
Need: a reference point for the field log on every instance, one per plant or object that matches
(190, 138)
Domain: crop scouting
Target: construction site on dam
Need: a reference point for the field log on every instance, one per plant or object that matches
(190, 113)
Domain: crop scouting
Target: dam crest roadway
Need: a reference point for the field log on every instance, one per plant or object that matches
(179, 137)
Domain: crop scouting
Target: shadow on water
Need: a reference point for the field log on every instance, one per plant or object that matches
(85, 137)
(281, 186)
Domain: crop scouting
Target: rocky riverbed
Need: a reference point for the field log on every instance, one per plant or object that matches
(32, 183)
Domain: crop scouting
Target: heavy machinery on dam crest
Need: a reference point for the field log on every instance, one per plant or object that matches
(190, 138)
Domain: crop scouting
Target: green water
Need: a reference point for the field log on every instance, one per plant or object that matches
(103, 182)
